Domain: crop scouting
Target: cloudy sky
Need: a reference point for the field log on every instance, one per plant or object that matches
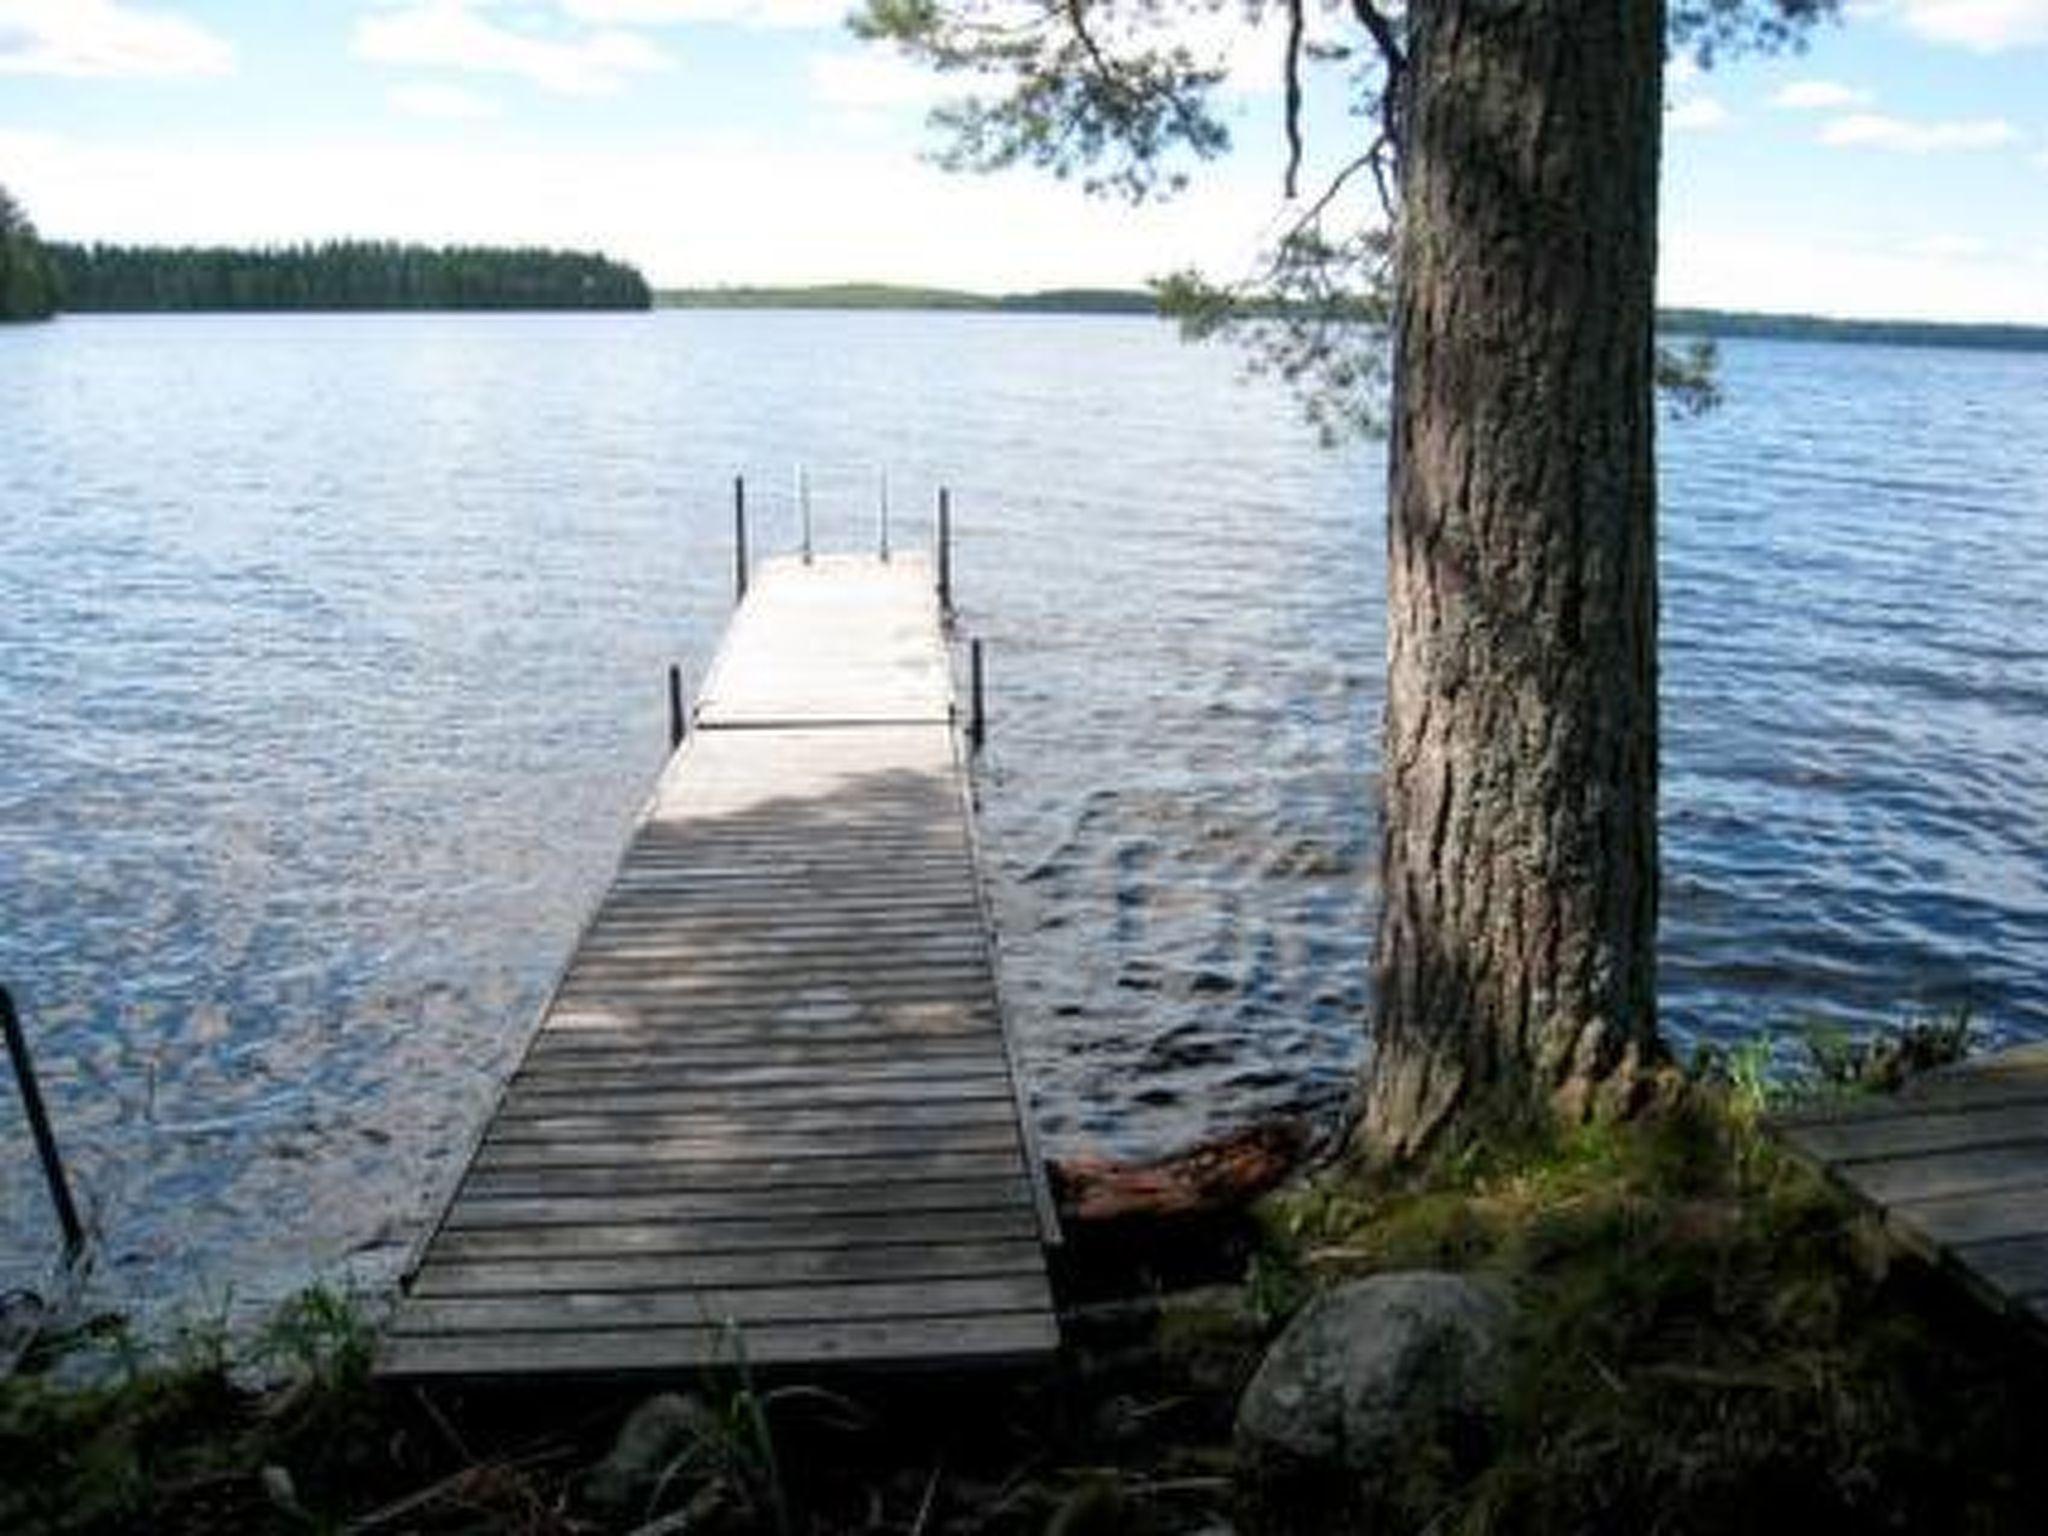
(1898, 167)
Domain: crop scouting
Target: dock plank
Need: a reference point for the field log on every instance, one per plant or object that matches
(951, 1341)
(532, 1276)
(773, 1088)
(589, 1230)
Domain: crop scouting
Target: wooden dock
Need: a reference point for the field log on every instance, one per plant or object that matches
(771, 1105)
(1956, 1167)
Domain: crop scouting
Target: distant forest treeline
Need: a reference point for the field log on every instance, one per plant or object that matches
(344, 274)
(1137, 301)
(1891, 333)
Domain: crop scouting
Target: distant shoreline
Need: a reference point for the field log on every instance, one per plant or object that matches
(894, 296)
(1716, 323)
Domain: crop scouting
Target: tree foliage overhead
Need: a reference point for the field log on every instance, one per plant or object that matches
(28, 281)
(343, 275)
(1127, 96)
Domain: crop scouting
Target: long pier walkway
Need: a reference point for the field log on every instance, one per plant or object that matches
(771, 1106)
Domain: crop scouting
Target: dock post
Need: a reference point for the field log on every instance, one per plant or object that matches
(39, 1128)
(885, 517)
(739, 538)
(678, 722)
(945, 553)
(977, 713)
(803, 502)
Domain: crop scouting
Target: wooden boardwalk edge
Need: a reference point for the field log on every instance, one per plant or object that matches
(1955, 1170)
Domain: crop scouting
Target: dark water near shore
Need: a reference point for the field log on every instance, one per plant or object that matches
(330, 671)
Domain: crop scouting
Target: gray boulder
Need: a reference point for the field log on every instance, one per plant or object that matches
(1374, 1374)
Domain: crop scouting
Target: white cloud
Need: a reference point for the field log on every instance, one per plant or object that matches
(105, 38)
(1700, 114)
(686, 211)
(29, 153)
(1985, 25)
(749, 13)
(1724, 268)
(1818, 96)
(874, 79)
(450, 34)
(431, 99)
(1950, 247)
(1874, 130)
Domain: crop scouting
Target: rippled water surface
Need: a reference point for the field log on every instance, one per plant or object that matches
(330, 668)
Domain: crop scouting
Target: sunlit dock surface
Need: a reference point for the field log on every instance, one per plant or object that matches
(770, 1110)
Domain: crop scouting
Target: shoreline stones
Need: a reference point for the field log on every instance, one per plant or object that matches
(1376, 1377)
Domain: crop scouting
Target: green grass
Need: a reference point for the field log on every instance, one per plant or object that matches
(1709, 1339)
(166, 1437)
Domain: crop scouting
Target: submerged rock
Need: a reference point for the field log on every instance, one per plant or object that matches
(1377, 1376)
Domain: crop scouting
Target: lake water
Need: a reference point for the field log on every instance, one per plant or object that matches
(331, 656)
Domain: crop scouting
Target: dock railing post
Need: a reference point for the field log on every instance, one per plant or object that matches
(977, 702)
(678, 722)
(945, 553)
(885, 517)
(803, 503)
(739, 538)
(39, 1127)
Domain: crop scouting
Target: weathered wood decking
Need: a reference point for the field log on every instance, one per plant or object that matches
(1957, 1169)
(771, 1096)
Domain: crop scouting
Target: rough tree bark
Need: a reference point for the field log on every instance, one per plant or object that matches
(1516, 954)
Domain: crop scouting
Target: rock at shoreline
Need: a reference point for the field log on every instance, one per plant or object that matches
(1372, 1376)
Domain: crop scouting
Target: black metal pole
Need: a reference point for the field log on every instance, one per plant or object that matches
(885, 517)
(39, 1127)
(803, 499)
(678, 723)
(977, 714)
(945, 552)
(739, 538)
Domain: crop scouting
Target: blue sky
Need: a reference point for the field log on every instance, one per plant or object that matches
(1898, 167)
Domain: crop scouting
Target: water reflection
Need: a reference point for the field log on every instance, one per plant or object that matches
(331, 653)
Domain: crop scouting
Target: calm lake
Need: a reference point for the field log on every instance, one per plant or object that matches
(331, 659)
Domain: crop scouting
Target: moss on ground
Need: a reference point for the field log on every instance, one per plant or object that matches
(1709, 1339)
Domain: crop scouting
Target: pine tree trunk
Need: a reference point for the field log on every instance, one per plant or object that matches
(1516, 961)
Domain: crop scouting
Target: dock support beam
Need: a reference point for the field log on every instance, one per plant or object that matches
(678, 722)
(39, 1128)
(977, 712)
(739, 538)
(945, 561)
